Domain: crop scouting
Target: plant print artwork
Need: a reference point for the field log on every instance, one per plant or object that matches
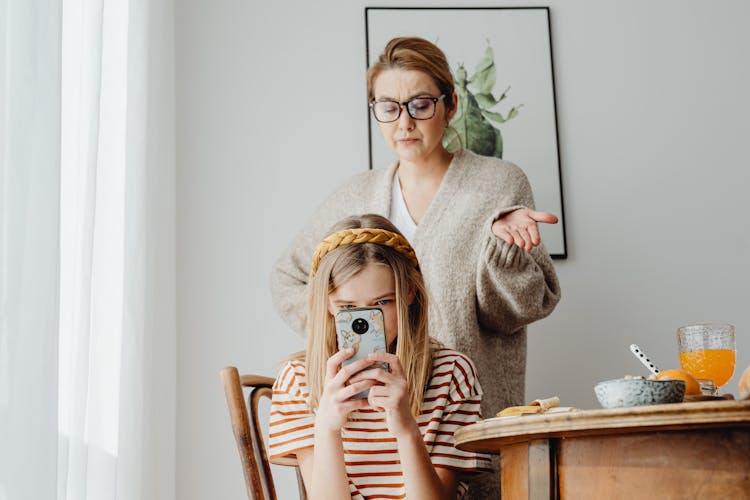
(476, 126)
(501, 64)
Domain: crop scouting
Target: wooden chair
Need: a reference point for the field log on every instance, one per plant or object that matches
(248, 432)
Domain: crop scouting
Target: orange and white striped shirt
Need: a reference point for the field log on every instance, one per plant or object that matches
(372, 461)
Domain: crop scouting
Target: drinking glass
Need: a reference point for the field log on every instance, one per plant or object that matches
(707, 351)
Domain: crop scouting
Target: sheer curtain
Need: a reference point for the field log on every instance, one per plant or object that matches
(29, 192)
(114, 424)
(88, 226)
(96, 401)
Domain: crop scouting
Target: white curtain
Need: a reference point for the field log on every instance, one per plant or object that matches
(29, 194)
(106, 247)
(112, 422)
(96, 403)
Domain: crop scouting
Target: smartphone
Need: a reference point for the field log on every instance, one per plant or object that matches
(363, 329)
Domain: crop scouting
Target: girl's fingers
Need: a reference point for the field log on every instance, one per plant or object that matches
(333, 363)
(346, 371)
(354, 404)
(382, 402)
(374, 405)
(355, 388)
(335, 371)
(394, 365)
(377, 400)
(376, 374)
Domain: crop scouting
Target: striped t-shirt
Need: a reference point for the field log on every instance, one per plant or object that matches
(372, 462)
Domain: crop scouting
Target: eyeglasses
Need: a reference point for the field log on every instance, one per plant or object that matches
(419, 108)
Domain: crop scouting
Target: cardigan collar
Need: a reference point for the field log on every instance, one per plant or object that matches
(449, 186)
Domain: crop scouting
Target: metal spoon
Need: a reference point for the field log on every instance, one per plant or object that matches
(638, 353)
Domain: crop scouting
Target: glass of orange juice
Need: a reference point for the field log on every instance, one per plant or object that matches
(707, 351)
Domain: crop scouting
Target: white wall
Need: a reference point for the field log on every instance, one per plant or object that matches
(652, 107)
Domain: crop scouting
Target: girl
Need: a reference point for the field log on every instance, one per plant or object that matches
(397, 442)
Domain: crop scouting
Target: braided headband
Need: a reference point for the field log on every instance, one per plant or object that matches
(363, 235)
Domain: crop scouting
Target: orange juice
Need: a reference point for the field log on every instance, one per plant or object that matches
(712, 364)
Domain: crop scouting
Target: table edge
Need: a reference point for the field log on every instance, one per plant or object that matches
(489, 434)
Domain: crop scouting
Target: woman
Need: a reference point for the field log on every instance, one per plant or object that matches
(469, 218)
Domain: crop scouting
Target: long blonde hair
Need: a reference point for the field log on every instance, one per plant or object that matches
(413, 345)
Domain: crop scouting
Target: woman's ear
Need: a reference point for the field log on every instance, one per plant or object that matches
(453, 110)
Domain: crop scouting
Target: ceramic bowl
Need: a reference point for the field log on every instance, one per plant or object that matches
(635, 392)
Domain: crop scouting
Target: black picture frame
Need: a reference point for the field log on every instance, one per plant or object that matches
(521, 48)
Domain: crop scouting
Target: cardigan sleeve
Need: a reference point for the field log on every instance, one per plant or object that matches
(514, 287)
(289, 278)
(290, 274)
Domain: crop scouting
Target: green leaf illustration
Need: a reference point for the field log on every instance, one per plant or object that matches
(486, 100)
(474, 118)
(499, 118)
(484, 75)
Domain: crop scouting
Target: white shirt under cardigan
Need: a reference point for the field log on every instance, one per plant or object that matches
(400, 216)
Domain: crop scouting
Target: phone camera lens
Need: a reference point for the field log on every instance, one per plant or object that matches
(360, 326)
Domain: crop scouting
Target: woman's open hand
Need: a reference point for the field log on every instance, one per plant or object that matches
(519, 227)
(390, 393)
(336, 402)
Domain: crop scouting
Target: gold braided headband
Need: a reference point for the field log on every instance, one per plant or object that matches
(363, 235)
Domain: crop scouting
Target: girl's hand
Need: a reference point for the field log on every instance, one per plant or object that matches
(520, 227)
(390, 394)
(336, 402)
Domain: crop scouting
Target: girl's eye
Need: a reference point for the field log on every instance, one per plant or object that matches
(346, 306)
(383, 302)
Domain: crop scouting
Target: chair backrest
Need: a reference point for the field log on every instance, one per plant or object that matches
(248, 431)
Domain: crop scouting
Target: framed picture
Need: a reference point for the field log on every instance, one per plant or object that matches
(501, 59)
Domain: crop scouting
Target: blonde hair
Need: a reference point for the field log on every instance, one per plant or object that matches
(336, 267)
(413, 53)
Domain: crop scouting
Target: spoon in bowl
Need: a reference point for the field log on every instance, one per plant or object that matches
(638, 353)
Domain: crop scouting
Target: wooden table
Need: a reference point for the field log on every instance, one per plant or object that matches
(682, 450)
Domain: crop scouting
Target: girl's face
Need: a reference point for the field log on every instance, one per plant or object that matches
(412, 140)
(373, 286)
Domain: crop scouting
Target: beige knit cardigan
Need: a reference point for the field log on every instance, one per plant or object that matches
(482, 291)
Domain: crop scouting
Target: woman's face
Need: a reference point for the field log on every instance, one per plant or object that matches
(412, 140)
(374, 286)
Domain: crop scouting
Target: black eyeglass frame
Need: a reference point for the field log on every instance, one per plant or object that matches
(407, 105)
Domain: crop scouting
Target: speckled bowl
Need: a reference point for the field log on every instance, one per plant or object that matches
(635, 392)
